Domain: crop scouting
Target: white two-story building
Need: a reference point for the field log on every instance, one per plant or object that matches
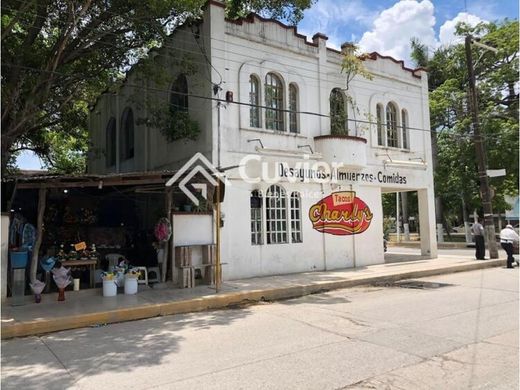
(306, 161)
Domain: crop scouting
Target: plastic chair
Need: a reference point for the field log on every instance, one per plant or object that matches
(113, 259)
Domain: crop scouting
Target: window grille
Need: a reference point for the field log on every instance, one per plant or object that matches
(296, 221)
(380, 122)
(274, 116)
(254, 101)
(404, 121)
(293, 108)
(256, 218)
(276, 215)
(391, 126)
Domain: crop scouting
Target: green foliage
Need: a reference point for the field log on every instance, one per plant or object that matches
(353, 64)
(174, 125)
(287, 10)
(58, 56)
(456, 179)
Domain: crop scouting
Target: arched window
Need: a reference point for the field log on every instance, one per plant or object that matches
(391, 126)
(404, 121)
(296, 218)
(254, 101)
(293, 109)
(338, 113)
(274, 116)
(256, 218)
(110, 143)
(179, 94)
(276, 215)
(126, 136)
(380, 124)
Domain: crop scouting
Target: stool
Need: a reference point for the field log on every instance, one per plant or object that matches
(142, 270)
(154, 275)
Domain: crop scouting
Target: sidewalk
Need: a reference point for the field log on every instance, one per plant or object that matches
(90, 308)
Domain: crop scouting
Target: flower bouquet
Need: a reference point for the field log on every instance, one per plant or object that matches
(163, 230)
(133, 273)
(37, 287)
(62, 279)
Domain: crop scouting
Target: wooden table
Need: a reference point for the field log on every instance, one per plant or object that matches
(91, 264)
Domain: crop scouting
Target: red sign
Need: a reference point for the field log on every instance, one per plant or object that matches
(341, 214)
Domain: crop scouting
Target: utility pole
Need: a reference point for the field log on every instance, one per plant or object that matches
(485, 192)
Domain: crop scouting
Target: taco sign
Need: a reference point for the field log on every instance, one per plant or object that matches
(340, 214)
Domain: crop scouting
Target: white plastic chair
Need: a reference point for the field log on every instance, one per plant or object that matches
(113, 259)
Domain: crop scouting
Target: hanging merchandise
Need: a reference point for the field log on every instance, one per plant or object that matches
(28, 236)
(163, 230)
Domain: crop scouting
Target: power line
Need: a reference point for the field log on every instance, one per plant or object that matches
(221, 101)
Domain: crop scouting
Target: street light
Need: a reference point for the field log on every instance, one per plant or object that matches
(485, 191)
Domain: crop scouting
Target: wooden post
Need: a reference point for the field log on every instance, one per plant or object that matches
(167, 251)
(42, 194)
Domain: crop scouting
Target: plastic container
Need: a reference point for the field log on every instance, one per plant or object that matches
(130, 286)
(109, 288)
(19, 259)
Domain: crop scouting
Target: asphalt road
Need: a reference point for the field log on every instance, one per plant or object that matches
(461, 336)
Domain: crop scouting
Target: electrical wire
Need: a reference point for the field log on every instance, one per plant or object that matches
(223, 101)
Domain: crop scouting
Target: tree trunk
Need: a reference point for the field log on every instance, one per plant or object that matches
(42, 194)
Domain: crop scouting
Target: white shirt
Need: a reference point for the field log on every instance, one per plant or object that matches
(477, 229)
(508, 235)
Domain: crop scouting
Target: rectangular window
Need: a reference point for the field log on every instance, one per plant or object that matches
(296, 221)
(276, 216)
(256, 218)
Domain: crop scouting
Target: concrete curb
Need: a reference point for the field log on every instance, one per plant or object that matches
(212, 302)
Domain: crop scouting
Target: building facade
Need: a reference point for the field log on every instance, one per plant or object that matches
(306, 159)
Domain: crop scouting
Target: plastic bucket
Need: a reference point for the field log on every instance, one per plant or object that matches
(109, 288)
(19, 259)
(130, 286)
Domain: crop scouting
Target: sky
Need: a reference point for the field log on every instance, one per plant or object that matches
(385, 26)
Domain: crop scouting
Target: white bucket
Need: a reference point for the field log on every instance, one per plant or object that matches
(130, 286)
(109, 288)
(76, 284)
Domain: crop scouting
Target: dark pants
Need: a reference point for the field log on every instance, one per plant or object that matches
(480, 248)
(508, 247)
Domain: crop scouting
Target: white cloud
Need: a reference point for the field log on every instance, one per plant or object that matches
(447, 30)
(333, 17)
(396, 26)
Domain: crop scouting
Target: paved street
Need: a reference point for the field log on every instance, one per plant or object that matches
(455, 337)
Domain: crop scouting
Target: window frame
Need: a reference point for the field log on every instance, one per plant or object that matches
(277, 231)
(111, 143)
(295, 217)
(274, 102)
(256, 218)
(380, 123)
(338, 112)
(179, 91)
(392, 125)
(405, 140)
(294, 125)
(254, 101)
(126, 135)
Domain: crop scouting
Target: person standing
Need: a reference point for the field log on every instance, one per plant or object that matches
(478, 232)
(508, 238)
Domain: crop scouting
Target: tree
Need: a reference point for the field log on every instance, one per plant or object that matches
(456, 181)
(58, 56)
